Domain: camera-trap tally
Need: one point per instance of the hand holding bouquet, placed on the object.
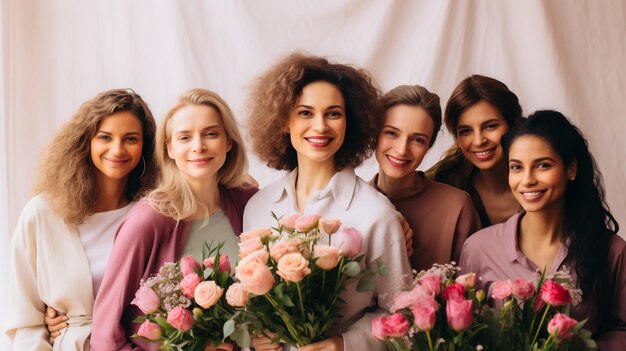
(184, 304)
(289, 282)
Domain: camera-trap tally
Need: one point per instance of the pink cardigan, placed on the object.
(144, 242)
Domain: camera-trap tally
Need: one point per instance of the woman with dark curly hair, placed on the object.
(479, 111)
(318, 120)
(565, 222)
(97, 166)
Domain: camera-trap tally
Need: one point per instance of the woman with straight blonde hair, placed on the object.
(98, 165)
(200, 197)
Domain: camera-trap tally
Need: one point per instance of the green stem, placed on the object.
(543, 318)
(285, 319)
(301, 301)
(430, 342)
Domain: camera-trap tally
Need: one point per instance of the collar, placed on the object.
(341, 187)
(420, 182)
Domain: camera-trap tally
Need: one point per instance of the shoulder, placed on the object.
(37, 206)
(143, 217)
(241, 195)
(365, 195)
(494, 237)
(449, 194)
(268, 193)
(617, 248)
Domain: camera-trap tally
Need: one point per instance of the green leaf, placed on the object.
(366, 283)
(286, 300)
(351, 269)
(229, 328)
(242, 337)
(382, 267)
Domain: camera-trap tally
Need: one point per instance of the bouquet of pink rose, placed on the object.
(183, 304)
(533, 315)
(290, 283)
(438, 312)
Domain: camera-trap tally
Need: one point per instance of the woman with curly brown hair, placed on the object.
(97, 166)
(318, 120)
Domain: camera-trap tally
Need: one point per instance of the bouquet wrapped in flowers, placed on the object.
(290, 283)
(438, 312)
(184, 304)
(533, 315)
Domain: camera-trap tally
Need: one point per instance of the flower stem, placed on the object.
(430, 342)
(285, 319)
(543, 318)
(301, 300)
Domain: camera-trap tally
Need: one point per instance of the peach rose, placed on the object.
(327, 256)
(284, 247)
(256, 233)
(249, 245)
(329, 226)
(468, 280)
(254, 276)
(236, 295)
(289, 223)
(207, 294)
(260, 256)
(306, 223)
(293, 267)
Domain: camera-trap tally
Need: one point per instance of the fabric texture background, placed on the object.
(560, 54)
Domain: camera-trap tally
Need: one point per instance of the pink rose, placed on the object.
(501, 290)
(539, 305)
(454, 291)
(523, 289)
(378, 327)
(561, 326)
(327, 256)
(424, 312)
(254, 276)
(189, 283)
(188, 264)
(180, 318)
(282, 248)
(224, 265)
(149, 330)
(146, 299)
(306, 223)
(249, 245)
(349, 241)
(407, 298)
(468, 280)
(432, 283)
(293, 267)
(256, 233)
(207, 294)
(236, 295)
(329, 226)
(459, 314)
(289, 223)
(555, 294)
(396, 325)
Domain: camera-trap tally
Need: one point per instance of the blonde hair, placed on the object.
(173, 196)
(67, 175)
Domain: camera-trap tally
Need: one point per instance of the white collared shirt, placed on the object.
(353, 201)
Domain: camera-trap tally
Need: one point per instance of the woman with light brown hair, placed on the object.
(97, 166)
(318, 120)
(200, 197)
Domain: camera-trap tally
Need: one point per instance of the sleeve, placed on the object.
(615, 337)
(467, 224)
(387, 244)
(133, 246)
(25, 309)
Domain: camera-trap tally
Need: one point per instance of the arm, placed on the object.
(467, 224)
(614, 338)
(132, 248)
(25, 308)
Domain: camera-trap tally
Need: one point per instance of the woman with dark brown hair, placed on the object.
(97, 166)
(318, 120)
(479, 111)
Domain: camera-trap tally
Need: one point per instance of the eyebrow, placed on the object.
(535, 160)
(413, 134)
(311, 107)
(483, 123)
(109, 133)
(214, 126)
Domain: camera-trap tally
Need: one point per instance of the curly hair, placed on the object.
(588, 221)
(477, 88)
(68, 177)
(415, 95)
(276, 92)
(173, 196)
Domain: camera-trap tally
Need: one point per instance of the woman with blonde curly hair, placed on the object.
(318, 120)
(96, 167)
(200, 197)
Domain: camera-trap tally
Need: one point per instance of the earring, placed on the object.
(572, 178)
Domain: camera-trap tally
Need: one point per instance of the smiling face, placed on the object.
(537, 175)
(116, 147)
(317, 123)
(404, 140)
(478, 135)
(197, 142)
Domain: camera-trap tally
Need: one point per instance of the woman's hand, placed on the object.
(408, 235)
(331, 344)
(263, 343)
(220, 347)
(55, 322)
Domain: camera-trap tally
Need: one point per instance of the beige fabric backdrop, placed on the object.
(565, 55)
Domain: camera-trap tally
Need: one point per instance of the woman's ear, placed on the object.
(572, 169)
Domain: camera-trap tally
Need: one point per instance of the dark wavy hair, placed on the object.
(477, 88)
(588, 221)
(67, 175)
(277, 91)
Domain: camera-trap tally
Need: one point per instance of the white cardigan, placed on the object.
(48, 266)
